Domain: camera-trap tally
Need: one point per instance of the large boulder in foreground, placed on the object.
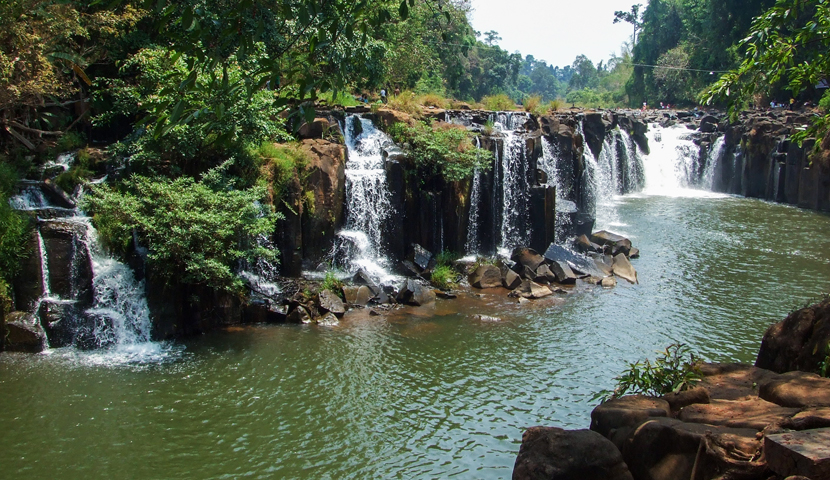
(413, 293)
(798, 342)
(555, 454)
(486, 276)
(23, 333)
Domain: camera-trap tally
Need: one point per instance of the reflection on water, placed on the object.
(434, 394)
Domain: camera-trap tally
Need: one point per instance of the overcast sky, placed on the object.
(555, 30)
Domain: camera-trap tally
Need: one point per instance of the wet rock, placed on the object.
(420, 256)
(362, 278)
(328, 320)
(608, 282)
(28, 284)
(413, 293)
(623, 269)
(299, 314)
(617, 243)
(634, 253)
(56, 195)
(562, 272)
(557, 454)
(605, 263)
(527, 257)
(584, 245)
(796, 389)
(69, 264)
(61, 320)
(445, 295)
(578, 263)
(360, 296)
(528, 273)
(408, 269)
(805, 453)
(486, 276)
(486, 318)
(544, 274)
(511, 280)
(23, 333)
(798, 342)
(330, 302)
(530, 289)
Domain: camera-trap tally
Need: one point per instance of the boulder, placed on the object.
(562, 272)
(408, 269)
(362, 278)
(360, 296)
(555, 454)
(608, 282)
(751, 412)
(420, 256)
(413, 293)
(528, 273)
(618, 243)
(530, 289)
(544, 274)
(315, 129)
(578, 263)
(668, 449)
(796, 389)
(328, 320)
(616, 418)
(486, 276)
(527, 257)
(298, 315)
(805, 453)
(798, 342)
(709, 124)
(23, 333)
(330, 302)
(69, 264)
(584, 245)
(678, 400)
(623, 268)
(605, 263)
(511, 280)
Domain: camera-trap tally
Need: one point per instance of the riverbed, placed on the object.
(422, 394)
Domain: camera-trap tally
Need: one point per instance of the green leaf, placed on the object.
(403, 10)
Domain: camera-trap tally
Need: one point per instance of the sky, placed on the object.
(555, 30)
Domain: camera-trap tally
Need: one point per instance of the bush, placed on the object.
(13, 227)
(405, 102)
(444, 277)
(332, 284)
(194, 231)
(675, 369)
(279, 164)
(433, 100)
(441, 149)
(533, 104)
(555, 105)
(498, 103)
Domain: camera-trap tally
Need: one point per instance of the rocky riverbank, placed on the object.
(767, 421)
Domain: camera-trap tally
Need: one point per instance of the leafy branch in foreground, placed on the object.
(194, 231)
(788, 43)
(675, 369)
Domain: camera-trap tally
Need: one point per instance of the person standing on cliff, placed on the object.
(383, 95)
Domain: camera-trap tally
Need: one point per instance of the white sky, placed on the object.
(555, 30)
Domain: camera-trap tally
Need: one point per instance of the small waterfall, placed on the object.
(30, 198)
(360, 243)
(713, 159)
(673, 160)
(515, 183)
(472, 245)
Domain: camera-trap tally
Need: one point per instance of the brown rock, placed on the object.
(527, 257)
(608, 282)
(298, 315)
(555, 454)
(615, 418)
(809, 418)
(562, 272)
(486, 276)
(798, 342)
(732, 381)
(687, 397)
(623, 268)
(796, 389)
(805, 453)
(23, 333)
(330, 302)
(753, 412)
(511, 279)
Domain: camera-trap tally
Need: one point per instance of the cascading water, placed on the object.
(713, 159)
(360, 243)
(515, 187)
(672, 165)
(472, 245)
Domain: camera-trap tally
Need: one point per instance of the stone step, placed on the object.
(804, 453)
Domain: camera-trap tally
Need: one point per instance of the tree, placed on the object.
(632, 17)
(788, 43)
(492, 37)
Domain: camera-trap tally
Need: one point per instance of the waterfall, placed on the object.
(713, 158)
(367, 198)
(472, 245)
(514, 183)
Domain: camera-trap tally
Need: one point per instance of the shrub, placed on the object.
(555, 105)
(441, 148)
(446, 258)
(433, 100)
(406, 102)
(279, 164)
(194, 231)
(675, 369)
(444, 277)
(332, 284)
(533, 104)
(500, 102)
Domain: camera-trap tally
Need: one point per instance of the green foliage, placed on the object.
(279, 165)
(498, 102)
(14, 228)
(446, 258)
(824, 365)
(85, 167)
(441, 148)
(195, 231)
(444, 277)
(332, 284)
(675, 369)
(533, 104)
(556, 104)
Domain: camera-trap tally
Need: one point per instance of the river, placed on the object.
(425, 394)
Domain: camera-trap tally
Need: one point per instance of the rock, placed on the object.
(486, 318)
(686, 397)
(298, 315)
(69, 265)
(809, 418)
(584, 245)
(616, 418)
(796, 389)
(527, 257)
(328, 320)
(708, 124)
(578, 263)
(412, 293)
(56, 195)
(562, 272)
(511, 280)
(751, 412)
(618, 243)
(486, 276)
(798, 342)
(362, 278)
(420, 256)
(608, 282)
(315, 129)
(623, 268)
(544, 274)
(528, 273)
(555, 454)
(634, 253)
(668, 449)
(805, 453)
(408, 269)
(530, 289)
(23, 333)
(330, 302)
(445, 295)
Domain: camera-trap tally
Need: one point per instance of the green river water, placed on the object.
(423, 393)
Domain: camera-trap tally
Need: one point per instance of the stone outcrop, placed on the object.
(555, 454)
(799, 342)
(23, 333)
